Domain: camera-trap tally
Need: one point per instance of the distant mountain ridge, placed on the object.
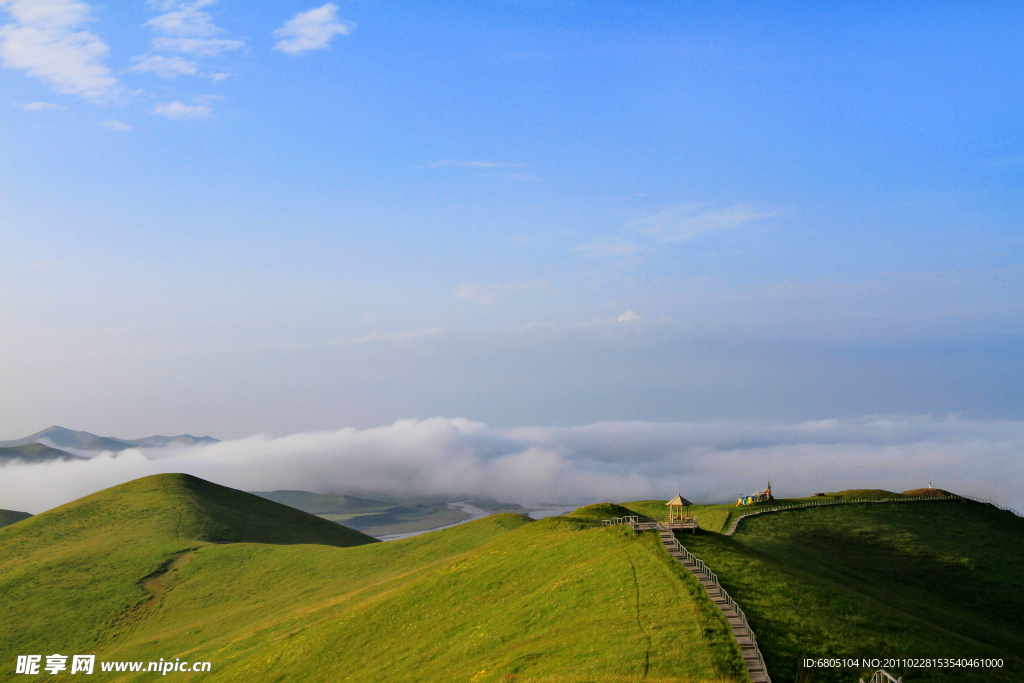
(61, 437)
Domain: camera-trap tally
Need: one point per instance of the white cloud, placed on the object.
(706, 462)
(114, 124)
(39, 106)
(47, 39)
(164, 67)
(311, 30)
(690, 221)
(184, 27)
(200, 47)
(182, 112)
(184, 19)
(629, 317)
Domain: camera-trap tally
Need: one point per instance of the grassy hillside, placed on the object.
(152, 569)
(712, 517)
(90, 557)
(927, 579)
(8, 517)
(718, 517)
(172, 566)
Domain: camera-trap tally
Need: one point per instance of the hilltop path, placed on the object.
(737, 620)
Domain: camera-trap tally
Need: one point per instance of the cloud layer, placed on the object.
(181, 112)
(311, 30)
(707, 462)
(186, 27)
(48, 40)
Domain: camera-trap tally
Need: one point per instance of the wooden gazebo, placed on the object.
(675, 509)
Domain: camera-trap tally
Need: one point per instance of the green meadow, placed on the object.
(931, 579)
(171, 566)
(174, 567)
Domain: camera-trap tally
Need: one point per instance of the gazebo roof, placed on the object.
(679, 500)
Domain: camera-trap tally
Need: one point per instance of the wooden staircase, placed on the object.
(733, 614)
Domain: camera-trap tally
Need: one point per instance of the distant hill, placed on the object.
(8, 517)
(68, 438)
(35, 452)
(58, 436)
(323, 503)
(928, 492)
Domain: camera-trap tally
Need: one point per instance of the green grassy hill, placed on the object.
(718, 517)
(918, 579)
(712, 517)
(88, 560)
(171, 566)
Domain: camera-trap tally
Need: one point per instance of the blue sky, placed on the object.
(219, 218)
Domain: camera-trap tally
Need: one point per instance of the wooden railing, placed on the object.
(986, 501)
(641, 523)
(883, 676)
(632, 520)
(745, 627)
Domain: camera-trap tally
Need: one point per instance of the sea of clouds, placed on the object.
(605, 461)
